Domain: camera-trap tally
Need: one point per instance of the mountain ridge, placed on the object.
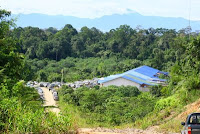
(104, 23)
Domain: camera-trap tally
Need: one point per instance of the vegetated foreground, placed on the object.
(109, 106)
(49, 101)
(193, 107)
(20, 106)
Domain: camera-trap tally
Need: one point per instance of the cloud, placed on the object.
(98, 8)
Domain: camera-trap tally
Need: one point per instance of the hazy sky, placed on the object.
(98, 8)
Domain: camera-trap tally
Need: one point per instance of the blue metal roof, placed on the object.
(138, 80)
(146, 70)
(132, 79)
(140, 75)
(137, 74)
(112, 77)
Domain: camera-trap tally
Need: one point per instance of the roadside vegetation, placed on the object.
(35, 54)
(109, 106)
(21, 109)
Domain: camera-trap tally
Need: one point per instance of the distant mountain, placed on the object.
(104, 23)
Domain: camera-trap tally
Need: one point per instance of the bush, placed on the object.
(156, 90)
(171, 101)
(109, 105)
(22, 112)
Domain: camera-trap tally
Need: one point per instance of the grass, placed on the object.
(79, 121)
(75, 114)
(164, 115)
(167, 118)
(173, 125)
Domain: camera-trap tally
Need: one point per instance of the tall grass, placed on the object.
(166, 109)
(23, 113)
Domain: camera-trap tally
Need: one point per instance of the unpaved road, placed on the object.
(151, 130)
(49, 101)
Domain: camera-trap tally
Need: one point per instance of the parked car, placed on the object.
(50, 89)
(57, 84)
(51, 86)
(35, 83)
(46, 84)
(55, 96)
(41, 84)
(42, 97)
(192, 124)
(40, 91)
(53, 90)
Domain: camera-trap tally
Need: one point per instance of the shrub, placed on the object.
(109, 105)
(156, 90)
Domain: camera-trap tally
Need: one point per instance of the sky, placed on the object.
(98, 8)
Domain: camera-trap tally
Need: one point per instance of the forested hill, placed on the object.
(158, 46)
(112, 52)
(104, 23)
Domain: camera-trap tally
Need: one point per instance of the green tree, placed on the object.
(11, 62)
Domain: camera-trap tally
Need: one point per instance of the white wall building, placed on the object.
(141, 77)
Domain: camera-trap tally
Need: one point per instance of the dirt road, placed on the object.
(151, 130)
(49, 101)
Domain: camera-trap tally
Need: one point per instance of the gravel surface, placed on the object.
(49, 101)
(99, 130)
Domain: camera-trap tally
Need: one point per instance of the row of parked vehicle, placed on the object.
(87, 83)
(40, 92)
(32, 84)
(51, 87)
(53, 84)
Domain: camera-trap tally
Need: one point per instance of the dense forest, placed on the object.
(89, 53)
(124, 42)
(31, 53)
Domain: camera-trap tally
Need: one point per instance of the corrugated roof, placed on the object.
(112, 77)
(146, 70)
(140, 75)
(137, 74)
(138, 80)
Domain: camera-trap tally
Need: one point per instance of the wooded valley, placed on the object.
(31, 53)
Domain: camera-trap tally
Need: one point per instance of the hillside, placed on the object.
(104, 23)
(34, 54)
(190, 108)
